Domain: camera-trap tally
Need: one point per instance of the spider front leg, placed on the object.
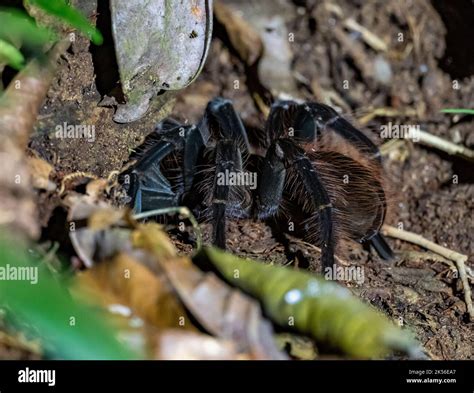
(284, 156)
(229, 197)
(319, 198)
(228, 161)
(149, 188)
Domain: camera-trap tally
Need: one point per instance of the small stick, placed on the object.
(386, 112)
(265, 109)
(316, 248)
(392, 144)
(426, 256)
(460, 259)
(427, 139)
(370, 38)
(184, 211)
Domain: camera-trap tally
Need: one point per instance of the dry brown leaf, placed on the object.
(105, 218)
(124, 281)
(225, 312)
(103, 237)
(145, 274)
(96, 188)
(151, 237)
(40, 171)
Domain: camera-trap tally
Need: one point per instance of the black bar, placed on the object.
(319, 376)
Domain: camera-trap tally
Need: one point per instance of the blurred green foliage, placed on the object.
(18, 30)
(21, 36)
(316, 307)
(45, 311)
(71, 16)
(11, 56)
(461, 111)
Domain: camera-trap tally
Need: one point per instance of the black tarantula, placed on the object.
(319, 173)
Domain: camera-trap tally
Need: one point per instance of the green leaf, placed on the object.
(19, 30)
(71, 16)
(324, 310)
(71, 329)
(463, 111)
(11, 56)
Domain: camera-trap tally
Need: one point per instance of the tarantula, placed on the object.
(318, 172)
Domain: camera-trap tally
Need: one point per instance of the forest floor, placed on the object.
(432, 193)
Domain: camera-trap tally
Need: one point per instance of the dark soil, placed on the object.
(433, 193)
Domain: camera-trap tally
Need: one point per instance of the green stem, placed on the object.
(463, 111)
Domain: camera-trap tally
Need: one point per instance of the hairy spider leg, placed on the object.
(320, 200)
(280, 114)
(284, 153)
(271, 183)
(272, 170)
(149, 188)
(324, 116)
(222, 124)
(381, 246)
(228, 160)
(193, 146)
(191, 137)
(221, 121)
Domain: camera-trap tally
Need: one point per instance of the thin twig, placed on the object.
(182, 210)
(392, 144)
(386, 112)
(316, 248)
(370, 38)
(460, 259)
(424, 255)
(265, 109)
(427, 139)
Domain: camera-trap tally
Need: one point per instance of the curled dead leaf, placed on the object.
(225, 312)
(40, 172)
(96, 188)
(124, 281)
(106, 218)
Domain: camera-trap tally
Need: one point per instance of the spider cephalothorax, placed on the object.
(319, 172)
